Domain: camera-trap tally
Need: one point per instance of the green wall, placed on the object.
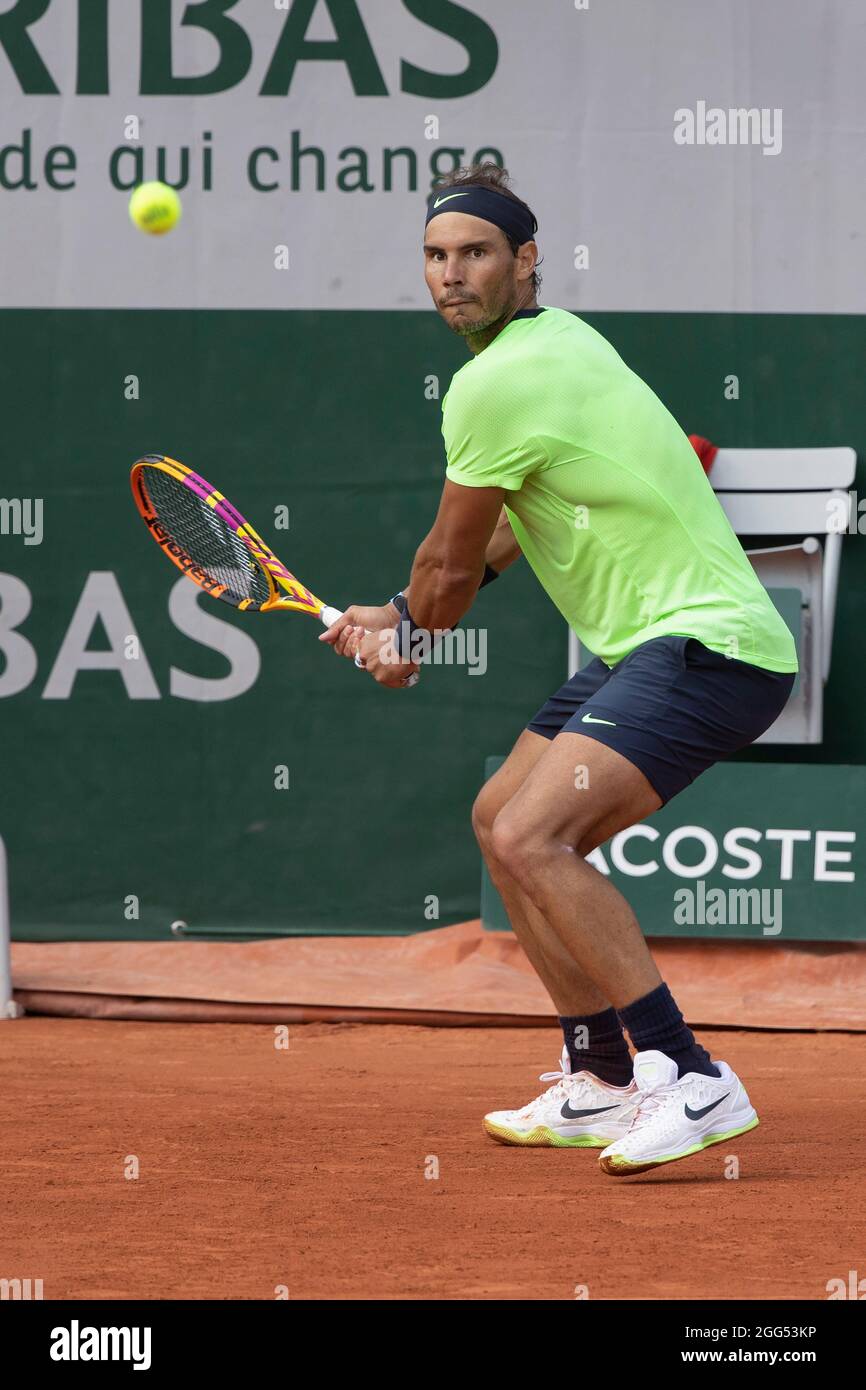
(174, 801)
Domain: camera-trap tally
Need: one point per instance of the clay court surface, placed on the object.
(305, 1167)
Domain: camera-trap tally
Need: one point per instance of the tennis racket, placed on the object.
(214, 546)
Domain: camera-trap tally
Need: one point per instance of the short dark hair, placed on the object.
(489, 175)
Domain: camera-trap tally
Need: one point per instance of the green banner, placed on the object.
(768, 852)
(229, 772)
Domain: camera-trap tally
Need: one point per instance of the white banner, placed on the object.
(679, 154)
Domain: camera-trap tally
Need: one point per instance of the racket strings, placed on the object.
(208, 539)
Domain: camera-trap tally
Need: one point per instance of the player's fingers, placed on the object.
(332, 634)
(348, 641)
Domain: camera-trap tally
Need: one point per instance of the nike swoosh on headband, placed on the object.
(439, 201)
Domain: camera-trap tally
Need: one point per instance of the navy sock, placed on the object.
(655, 1024)
(597, 1043)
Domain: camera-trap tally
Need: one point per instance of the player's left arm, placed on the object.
(449, 563)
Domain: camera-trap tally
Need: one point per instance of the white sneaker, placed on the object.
(675, 1118)
(578, 1112)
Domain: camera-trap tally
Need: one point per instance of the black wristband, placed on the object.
(411, 638)
(404, 634)
(489, 575)
(399, 602)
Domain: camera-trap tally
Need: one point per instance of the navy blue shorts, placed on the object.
(672, 707)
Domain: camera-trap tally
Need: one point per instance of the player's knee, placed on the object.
(517, 849)
(484, 812)
(590, 839)
(525, 852)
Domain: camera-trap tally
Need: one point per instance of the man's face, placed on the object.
(471, 271)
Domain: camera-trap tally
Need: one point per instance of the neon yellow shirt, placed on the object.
(605, 495)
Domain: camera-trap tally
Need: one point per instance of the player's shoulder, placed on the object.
(468, 386)
(501, 371)
(570, 330)
(478, 395)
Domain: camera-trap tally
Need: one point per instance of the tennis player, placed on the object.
(556, 449)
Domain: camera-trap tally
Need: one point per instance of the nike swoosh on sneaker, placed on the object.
(591, 719)
(439, 201)
(697, 1114)
(568, 1114)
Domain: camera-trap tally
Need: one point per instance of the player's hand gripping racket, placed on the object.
(208, 539)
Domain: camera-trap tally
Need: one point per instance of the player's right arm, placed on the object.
(345, 634)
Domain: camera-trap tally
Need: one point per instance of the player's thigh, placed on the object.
(534, 742)
(578, 790)
(500, 788)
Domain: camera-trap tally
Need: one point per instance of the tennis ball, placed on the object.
(154, 207)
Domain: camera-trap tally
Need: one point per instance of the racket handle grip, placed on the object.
(330, 615)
